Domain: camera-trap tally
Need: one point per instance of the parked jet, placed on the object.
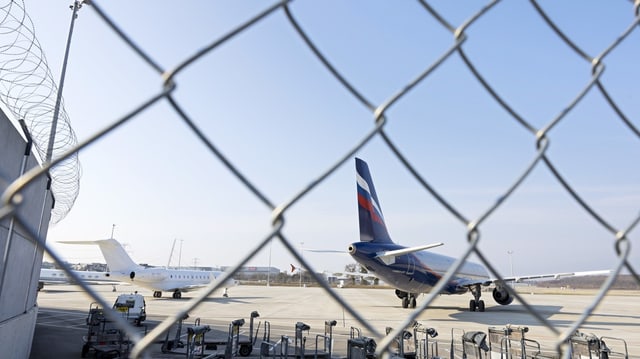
(414, 270)
(58, 276)
(123, 268)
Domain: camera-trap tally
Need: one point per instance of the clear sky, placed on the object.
(282, 119)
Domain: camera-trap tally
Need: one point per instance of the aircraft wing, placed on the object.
(519, 279)
(468, 282)
(354, 274)
(192, 287)
(100, 282)
(188, 288)
(54, 281)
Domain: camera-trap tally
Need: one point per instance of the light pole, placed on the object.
(269, 269)
(56, 110)
(301, 255)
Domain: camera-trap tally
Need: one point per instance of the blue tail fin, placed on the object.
(372, 227)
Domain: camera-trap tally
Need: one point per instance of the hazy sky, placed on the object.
(282, 119)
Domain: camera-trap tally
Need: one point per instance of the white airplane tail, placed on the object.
(114, 254)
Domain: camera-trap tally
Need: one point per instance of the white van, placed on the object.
(132, 306)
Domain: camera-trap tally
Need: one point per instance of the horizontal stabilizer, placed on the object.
(325, 250)
(389, 256)
(94, 242)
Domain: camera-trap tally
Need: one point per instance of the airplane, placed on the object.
(123, 268)
(415, 270)
(58, 276)
(350, 277)
(341, 278)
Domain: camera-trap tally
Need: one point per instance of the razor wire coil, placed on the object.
(28, 92)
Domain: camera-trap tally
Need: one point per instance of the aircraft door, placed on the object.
(411, 264)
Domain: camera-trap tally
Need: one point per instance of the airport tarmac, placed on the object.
(63, 310)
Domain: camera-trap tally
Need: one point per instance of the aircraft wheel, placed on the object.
(413, 302)
(85, 350)
(405, 302)
(472, 305)
(245, 350)
(481, 305)
(177, 295)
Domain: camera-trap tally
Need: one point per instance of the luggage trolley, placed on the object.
(510, 342)
(403, 344)
(424, 348)
(359, 347)
(277, 349)
(195, 341)
(474, 344)
(103, 336)
(455, 346)
(589, 346)
(617, 348)
(245, 346)
(169, 345)
(326, 339)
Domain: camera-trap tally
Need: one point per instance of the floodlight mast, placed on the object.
(56, 111)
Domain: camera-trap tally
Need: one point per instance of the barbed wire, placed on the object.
(28, 91)
(540, 137)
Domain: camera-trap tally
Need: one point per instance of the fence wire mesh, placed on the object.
(387, 108)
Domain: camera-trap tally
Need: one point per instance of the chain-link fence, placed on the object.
(454, 45)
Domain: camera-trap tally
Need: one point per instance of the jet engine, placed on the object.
(501, 296)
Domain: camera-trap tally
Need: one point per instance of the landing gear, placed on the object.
(177, 294)
(157, 294)
(476, 303)
(225, 293)
(409, 300)
(481, 305)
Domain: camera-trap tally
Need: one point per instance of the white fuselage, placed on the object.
(162, 279)
(60, 276)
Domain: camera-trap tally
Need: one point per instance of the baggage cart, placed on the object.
(103, 337)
